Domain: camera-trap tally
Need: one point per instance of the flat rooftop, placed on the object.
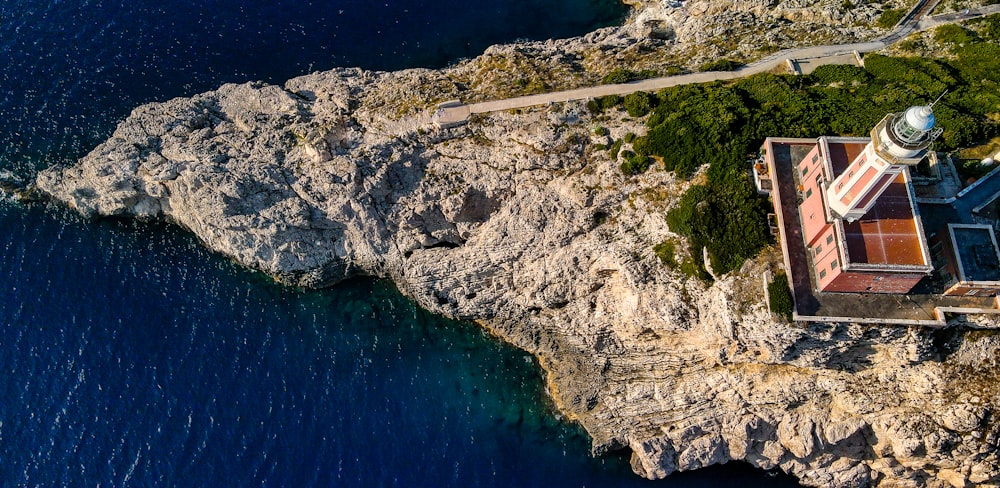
(843, 151)
(976, 250)
(888, 234)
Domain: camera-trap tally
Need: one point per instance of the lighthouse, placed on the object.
(849, 217)
(897, 141)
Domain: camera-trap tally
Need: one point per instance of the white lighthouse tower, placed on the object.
(898, 140)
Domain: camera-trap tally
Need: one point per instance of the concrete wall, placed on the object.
(963, 289)
(867, 282)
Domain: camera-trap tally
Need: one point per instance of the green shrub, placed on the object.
(647, 74)
(629, 138)
(989, 26)
(978, 61)
(618, 75)
(667, 252)
(622, 75)
(972, 169)
(638, 104)
(695, 125)
(954, 34)
(721, 65)
(910, 76)
(594, 107)
(635, 163)
(779, 296)
(839, 73)
(890, 17)
(610, 101)
(615, 148)
(725, 216)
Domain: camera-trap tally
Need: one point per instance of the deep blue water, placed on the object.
(130, 356)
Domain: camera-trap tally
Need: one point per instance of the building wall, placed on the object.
(810, 164)
(962, 289)
(826, 260)
(868, 282)
(943, 257)
(811, 211)
(946, 266)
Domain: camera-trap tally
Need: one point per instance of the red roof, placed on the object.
(888, 234)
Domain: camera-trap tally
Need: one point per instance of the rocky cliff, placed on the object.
(520, 222)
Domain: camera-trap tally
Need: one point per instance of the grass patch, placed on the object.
(890, 17)
(667, 252)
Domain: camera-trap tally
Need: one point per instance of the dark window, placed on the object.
(833, 265)
(809, 192)
(822, 274)
(829, 239)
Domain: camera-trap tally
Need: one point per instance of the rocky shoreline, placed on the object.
(520, 222)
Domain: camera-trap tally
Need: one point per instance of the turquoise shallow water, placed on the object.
(133, 357)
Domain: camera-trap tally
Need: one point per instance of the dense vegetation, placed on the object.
(779, 296)
(720, 124)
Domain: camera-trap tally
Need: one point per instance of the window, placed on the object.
(809, 192)
(805, 169)
(829, 239)
(819, 249)
(834, 264)
(815, 158)
(822, 273)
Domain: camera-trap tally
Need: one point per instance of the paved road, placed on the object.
(915, 20)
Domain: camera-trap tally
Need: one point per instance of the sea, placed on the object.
(131, 356)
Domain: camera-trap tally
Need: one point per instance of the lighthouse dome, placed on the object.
(915, 126)
(920, 117)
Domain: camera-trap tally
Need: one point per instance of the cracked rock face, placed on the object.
(519, 222)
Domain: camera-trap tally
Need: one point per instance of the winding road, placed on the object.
(454, 113)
